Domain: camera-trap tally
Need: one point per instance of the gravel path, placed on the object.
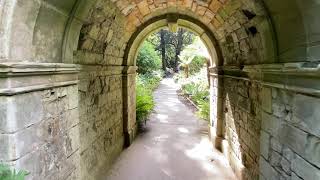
(175, 146)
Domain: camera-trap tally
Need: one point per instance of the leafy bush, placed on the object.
(150, 80)
(146, 83)
(197, 88)
(204, 109)
(197, 64)
(145, 103)
(148, 59)
(7, 173)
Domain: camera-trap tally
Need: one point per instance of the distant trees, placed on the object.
(148, 59)
(194, 57)
(170, 45)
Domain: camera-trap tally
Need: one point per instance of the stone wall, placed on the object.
(242, 126)
(268, 128)
(290, 136)
(100, 52)
(70, 127)
(39, 127)
(101, 119)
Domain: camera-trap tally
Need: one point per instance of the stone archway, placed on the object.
(136, 40)
(64, 82)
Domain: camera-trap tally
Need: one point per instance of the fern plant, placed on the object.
(8, 173)
(204, 110)
(144, 102)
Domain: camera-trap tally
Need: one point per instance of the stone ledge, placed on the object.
(14, 69)
(297, 77)
(106, 69)
(302, 68)
(17, 78)
(19, 90)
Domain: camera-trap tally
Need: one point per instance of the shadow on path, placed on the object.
(174, 147)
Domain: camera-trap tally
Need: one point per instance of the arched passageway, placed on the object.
(67, 82)
(173, 145)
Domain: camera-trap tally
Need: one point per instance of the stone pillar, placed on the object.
(129, 104)
(216, 107)
(39, 119)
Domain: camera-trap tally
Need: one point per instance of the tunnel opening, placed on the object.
(180, 55)
(67, 85)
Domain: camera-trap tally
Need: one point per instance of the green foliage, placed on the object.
(196, 92)
(146, 83)
(145, 103)
(197, 64)
(174, 43)
(7, 173)
(197, 88)
(148, 59)
(204, 109)
(194, 57)
(189, 89)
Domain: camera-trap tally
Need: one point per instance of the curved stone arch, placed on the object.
(290, 45)
(182, 21)
(132, 50)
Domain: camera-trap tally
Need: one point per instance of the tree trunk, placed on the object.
(179, 48)
(163, 50)
(187, 71)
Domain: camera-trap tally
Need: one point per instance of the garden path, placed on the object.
(175, 145)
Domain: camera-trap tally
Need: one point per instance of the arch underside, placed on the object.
(67, 82)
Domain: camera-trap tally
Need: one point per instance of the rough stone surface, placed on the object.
(51, 141)
(265, 95)
(243, 125)
(101, 121)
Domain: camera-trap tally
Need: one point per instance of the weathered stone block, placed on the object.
(288, 154)
(270, 124)
(279, 109)
(275, 159)
(312, 150)
(293, 138)
(73, 99)
(266, 99)
(286, 165)
(71, 118)
(267, 171)
(7, 148)
(304, 169)
(276, 145)
(306, 113)
(295, 177)
(72, 141)
(144, 8)
(20, 111)
(264, 144)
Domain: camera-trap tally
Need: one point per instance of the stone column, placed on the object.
(216, 107)
(39, 119)
(129, 104)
